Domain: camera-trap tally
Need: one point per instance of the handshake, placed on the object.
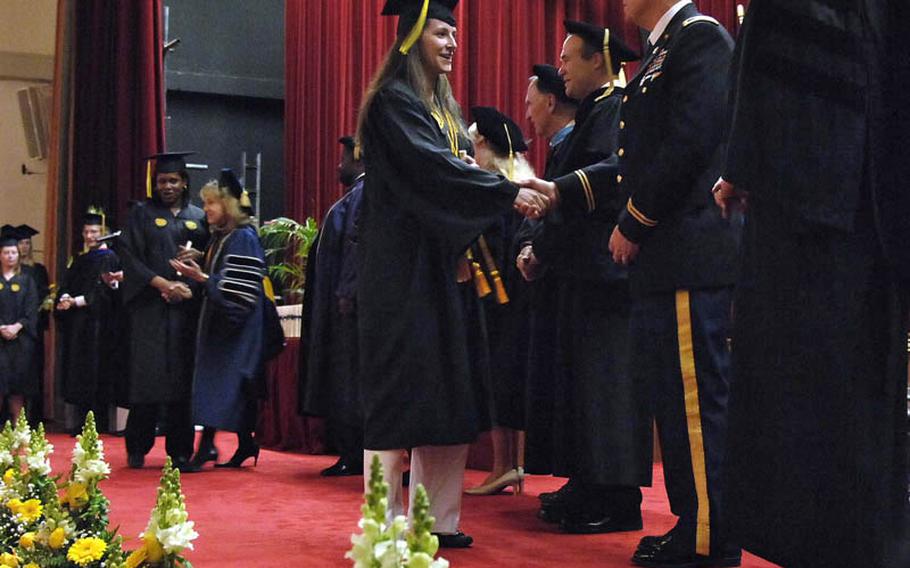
(536, 197)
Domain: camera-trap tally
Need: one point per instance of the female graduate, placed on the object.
(499, 147)
(423, 206)
(18, 328)
(162, 311)
(229, 352)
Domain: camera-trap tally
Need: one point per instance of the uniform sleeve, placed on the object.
(697, 78)
(136, 274)
(236, 289)
(452, 200)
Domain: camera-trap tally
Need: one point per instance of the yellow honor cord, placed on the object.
(148, 179)
(511, 153)
(415, 32)
(607, 61)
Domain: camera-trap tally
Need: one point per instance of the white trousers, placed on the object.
(441, 471)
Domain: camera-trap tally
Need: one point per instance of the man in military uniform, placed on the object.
(816, 465)
(681, 255)
(600, 428)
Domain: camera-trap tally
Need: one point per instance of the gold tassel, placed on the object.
(501, 296)
(148, 179)
(480, 279)
(245, 200)
(268, 289)
(415, 32)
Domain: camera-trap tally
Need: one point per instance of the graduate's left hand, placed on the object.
(624, 251)
(531, 204)
(543, 187)
(188, 268)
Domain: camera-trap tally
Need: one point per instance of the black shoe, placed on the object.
(135, 461)
(561, 494)
(197, 461)
(457, 540)
(184, 465)
(669, 552)
(242, 454)
(341, 469)
(599, 524)
(553, 513)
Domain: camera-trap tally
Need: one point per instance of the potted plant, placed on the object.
(287, 244)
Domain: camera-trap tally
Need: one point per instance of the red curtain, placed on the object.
(333, 49)
(118, 102)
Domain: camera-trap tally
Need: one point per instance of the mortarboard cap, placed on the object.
(351, 144)
(228, 180)
(615, 51)
(26, 232)
(8, 236)
(164, 163)
(7, 230)
(499, 130)
(549, 81)
(94, 216)
(413, 16)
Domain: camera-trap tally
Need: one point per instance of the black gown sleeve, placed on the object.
(132, 246)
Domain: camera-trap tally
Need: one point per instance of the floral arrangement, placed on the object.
(395, 545)
(49, 522)
(169, 531)
(287, 245)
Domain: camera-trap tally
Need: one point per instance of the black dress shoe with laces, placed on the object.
(669, 552)
(457, 540)
(585, 523)
(135, 461)
(342, 469)
(561, 494)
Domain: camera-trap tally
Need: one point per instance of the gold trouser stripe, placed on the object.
(639, 216)
(693, 422)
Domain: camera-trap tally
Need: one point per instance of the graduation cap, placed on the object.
(7, 229)
(549, 81)
(413, 16)
(164, 163)
(26, 232)
(8, 236)
(351, 144)
(499, 130)
(615, 51)
(228, 180)
(94, 216)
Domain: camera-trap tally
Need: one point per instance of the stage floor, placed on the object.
(283, 514)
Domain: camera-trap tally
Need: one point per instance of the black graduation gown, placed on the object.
(89, 333)
(161, 335)
(600, 427)
(817, 422)
(328, 373)
(18, 303)
(422, 208)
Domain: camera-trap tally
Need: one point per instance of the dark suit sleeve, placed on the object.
(697, 75)
(136, 274)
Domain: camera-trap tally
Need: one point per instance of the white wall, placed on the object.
(27, 36)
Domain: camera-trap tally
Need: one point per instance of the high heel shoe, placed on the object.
(195, 463)
(513, 477)
(241, 455)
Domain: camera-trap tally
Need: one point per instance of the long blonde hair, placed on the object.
(515, 169)
(237, 216)
(410, 69)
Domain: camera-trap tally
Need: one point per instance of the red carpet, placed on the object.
(282, 514)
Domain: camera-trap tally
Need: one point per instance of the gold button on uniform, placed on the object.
(621, 152)
(622, 124)
(619, 179)
(644, 90)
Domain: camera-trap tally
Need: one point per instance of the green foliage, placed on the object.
(287, 244)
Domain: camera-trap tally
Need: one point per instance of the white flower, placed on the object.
(39, 464)
(21, 438)
(78, 455)
(92, 470)
(176, 538)
(390, 553)
(6, 459)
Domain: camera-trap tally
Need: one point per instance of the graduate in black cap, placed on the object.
(38, 273)
(87, 314)
(18, 327)
(228, 377)
(162, 309)
(499, 147)
(417, 301)
(600, 426)
(329, 383)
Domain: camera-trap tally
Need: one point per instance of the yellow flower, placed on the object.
(76, 495)
(137, 557)
(153, 548)
(27, 540)
(9, 476)
(13, 505)
(10, 560)
(30, 510)
(86, 550)
(57, 538)
(31, 565)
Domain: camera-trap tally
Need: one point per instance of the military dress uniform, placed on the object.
(681, 282)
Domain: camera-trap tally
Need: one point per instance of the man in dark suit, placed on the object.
(681, 255)
(816, 465)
